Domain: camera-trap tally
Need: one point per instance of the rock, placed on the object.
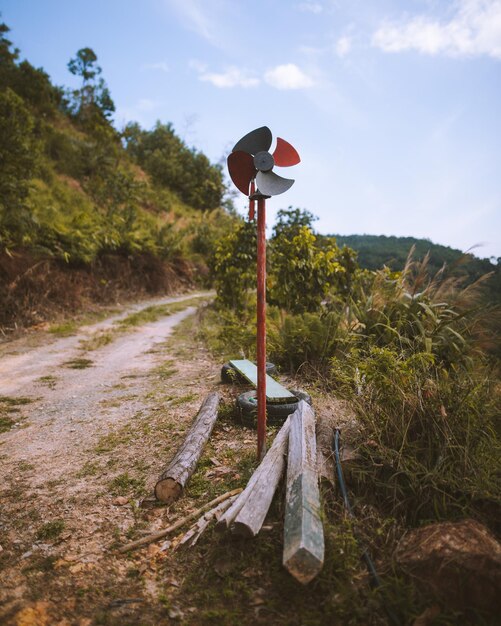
(459, 561)
(120, 501)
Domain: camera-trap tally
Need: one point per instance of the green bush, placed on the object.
(233, 266)
(19, 156)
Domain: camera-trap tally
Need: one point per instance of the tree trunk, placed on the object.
(173, 480)
(303, 531)
(247, 513)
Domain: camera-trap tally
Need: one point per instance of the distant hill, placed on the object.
(375, 251)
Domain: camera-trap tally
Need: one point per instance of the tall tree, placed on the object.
(93, 98)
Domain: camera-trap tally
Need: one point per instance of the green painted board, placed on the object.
(275, 392)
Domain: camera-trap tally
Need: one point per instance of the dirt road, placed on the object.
(81, 415)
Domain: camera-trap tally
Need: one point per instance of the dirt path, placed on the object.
(69, 411)
(76, 445)
(77, 468)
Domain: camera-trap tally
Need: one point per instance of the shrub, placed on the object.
(234, 266)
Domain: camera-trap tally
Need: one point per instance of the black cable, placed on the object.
(375, 581)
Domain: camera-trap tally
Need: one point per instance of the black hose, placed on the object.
(375, 581)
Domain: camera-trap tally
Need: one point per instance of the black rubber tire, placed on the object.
(276, 413)
(231, 376)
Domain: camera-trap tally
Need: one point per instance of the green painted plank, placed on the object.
(275, 392)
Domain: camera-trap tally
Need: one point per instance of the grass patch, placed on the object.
(14, 402)
(189, 397)
(90, 468)
(109, 442)
(9, 405)
(64, 329)
(123, 485)
(48, 380)
(78, 364)
(5, 424)
(164, 371)
(24, 466)
(50, 530)
(98, 340)
(153, 313)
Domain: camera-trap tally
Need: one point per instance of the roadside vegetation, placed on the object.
(416, 354)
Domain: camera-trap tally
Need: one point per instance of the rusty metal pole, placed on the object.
(261, 328)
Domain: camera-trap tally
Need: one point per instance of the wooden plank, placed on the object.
(173, 479)
(249, 510)
(304, 548)
(275, 392)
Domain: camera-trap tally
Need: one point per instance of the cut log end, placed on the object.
(168, 490)
(304, 565)
(173, 479)
(243, 530)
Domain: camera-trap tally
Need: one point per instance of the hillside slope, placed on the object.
(89, 213)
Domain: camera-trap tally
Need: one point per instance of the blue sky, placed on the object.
(394, 107)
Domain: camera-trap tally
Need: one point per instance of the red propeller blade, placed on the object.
(242, 170)
(285, 155)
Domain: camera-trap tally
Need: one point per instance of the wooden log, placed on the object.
(178, 524)
(303, 553)
(249, 510)
(173, 479)
(194, 533)
(325, 455)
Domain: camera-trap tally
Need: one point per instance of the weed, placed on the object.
(153, 313)
(15, 402)
(9, 405)
(167, 370)
(5, 424)
(48, 380)
(24, 466)
(90, 468)
(98, 340)
(50, 530)
(124, 484)
(189, 397)
(78, 364)
(64, 329)
(109, 442)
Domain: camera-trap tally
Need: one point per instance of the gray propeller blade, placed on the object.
(270, 184)
(255, 141)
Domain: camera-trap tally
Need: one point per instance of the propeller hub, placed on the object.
(264, 161)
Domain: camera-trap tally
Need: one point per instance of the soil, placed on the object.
(91, 432)
(77, 431)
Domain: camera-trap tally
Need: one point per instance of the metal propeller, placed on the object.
(251, 160)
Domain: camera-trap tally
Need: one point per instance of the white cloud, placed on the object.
(288, 76)
(473, 30)
(203, 18)
(196, 18)
(232, 77)
(343, 46)
(311, 7)
(161, 66)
